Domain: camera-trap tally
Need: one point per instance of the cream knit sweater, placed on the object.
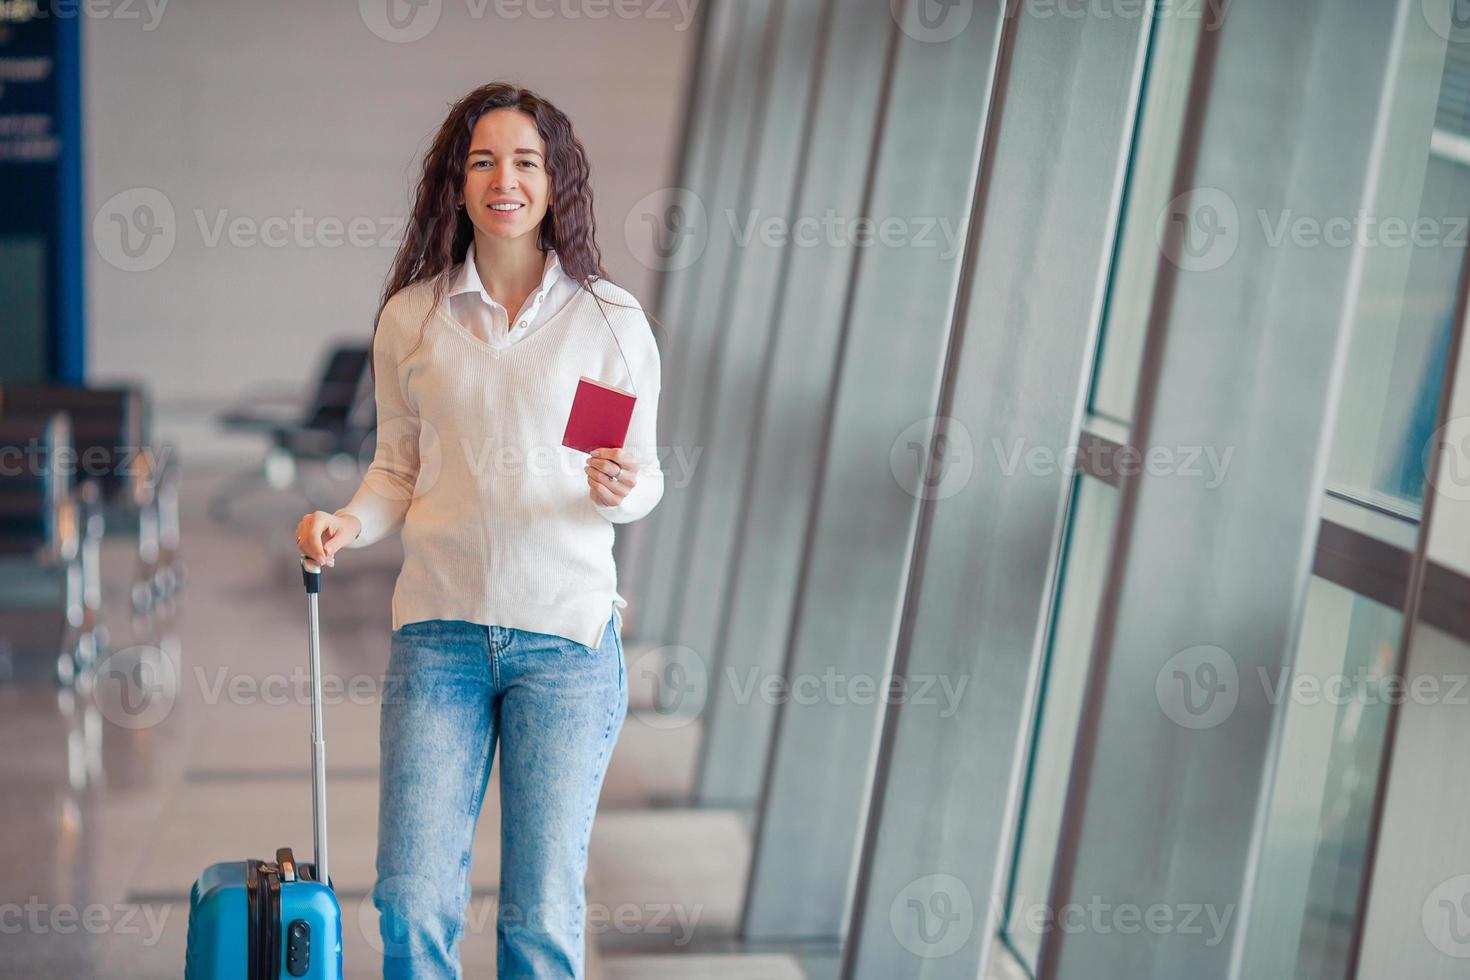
(498, 523)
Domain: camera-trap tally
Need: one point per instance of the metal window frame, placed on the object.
(1184, 828)
(792, 414)
(859, 548)
(746, 38)
(1352, 558)
(745, 324)
(980, 597)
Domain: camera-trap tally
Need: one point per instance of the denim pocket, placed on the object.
(421, 627)
(442, 637)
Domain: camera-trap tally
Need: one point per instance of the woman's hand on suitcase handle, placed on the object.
(320, 535)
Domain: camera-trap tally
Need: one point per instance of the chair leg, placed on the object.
(171, 571)
(148, 553)
(86, 651)
(88, 633)
(91, 564)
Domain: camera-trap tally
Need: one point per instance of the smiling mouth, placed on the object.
(506, 208)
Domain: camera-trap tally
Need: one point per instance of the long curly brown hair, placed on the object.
(439, 233)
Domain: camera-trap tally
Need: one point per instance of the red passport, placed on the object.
(599, 418)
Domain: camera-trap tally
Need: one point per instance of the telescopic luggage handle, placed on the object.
(311, 575)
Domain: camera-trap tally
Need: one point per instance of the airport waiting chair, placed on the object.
(50, 529)
(332, 426)
(137, 481)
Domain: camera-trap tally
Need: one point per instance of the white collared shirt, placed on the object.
(473, 308)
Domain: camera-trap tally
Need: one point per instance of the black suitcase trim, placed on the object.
(263, 898)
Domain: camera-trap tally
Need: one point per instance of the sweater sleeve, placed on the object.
(381, 501)
(642, 439)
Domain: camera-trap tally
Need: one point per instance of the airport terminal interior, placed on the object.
(1062, 570)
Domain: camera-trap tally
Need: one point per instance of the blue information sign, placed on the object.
(41, 225)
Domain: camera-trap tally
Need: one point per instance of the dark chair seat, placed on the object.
(127, 485)
(108, 427)
(31, 489)
(45, 560)
(336, 421)
(323, 424)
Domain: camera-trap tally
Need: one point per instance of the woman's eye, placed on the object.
(529, 163)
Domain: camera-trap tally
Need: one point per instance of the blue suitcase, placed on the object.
(269, 920)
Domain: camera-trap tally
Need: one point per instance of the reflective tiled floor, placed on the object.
(193, 748)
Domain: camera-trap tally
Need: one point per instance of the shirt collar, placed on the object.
(468, 280)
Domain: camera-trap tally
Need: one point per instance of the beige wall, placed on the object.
(301, 112)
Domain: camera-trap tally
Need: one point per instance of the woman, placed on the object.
(506, 621)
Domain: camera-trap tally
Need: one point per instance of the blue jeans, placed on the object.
(453, 688)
